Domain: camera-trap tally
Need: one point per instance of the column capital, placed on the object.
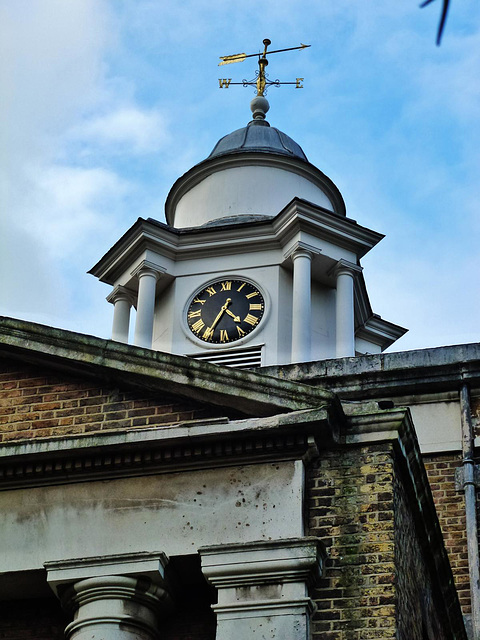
(121, 293)
(146, 267)
(252, 563)
(344, 267)
(147, 564)
(116, 597)
(302, 249)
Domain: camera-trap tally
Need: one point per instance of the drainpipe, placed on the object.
(468, 485)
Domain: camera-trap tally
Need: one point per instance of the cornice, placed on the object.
(198, 242)
(339, 230)
(136, 452)
(423, 371)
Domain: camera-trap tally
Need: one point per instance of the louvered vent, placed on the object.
(238, 358)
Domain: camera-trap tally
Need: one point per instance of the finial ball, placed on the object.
(259, 106)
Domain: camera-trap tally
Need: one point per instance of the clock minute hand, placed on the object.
(220, 314)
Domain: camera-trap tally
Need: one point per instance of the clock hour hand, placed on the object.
(236, 318)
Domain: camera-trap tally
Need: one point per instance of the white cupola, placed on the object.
(258, 263)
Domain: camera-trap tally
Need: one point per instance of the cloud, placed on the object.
(73, 206)
(128, 129)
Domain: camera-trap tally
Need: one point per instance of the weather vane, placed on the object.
(261, 81)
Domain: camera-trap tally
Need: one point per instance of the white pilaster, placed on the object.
(302, 305)
(147, 274)
(108, 606)
(122, 299)
(263, 587)
(344, 308)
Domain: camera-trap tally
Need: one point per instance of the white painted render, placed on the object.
(244, 190)
(178, 512)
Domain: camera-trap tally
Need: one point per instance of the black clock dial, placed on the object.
(225, 311)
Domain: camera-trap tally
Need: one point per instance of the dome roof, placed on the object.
(259, 136)
(251, 174)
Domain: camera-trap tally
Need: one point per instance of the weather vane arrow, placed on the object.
(240, 57)
(261, 81)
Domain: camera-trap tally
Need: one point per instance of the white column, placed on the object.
(302, 305)
(147, 282)
(263, 587)
(120, 597)
(114, 608)
(345, 316)
(122, 299)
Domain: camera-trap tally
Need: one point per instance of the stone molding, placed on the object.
(150, 565)
(302, 248)
(198, 242)
(121, 293)
(148, 267)
(163, 449)
(116, 597)
(242, 564)
(345, 267)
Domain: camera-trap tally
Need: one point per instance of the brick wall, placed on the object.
(450, 505)
(377, 584)
(351, 510)
(419, 617)
(41, 403)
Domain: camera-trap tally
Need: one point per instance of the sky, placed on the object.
(105, 103)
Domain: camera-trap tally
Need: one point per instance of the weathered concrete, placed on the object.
(179, 512)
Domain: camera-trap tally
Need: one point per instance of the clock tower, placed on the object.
(257, 264)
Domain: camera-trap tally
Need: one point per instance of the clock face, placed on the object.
(225, 311)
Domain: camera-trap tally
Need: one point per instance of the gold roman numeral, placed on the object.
(211, 291)
(198, 326)
(249, 319)
(256, 307)
(226, 286)
(241, 332)
(241, 286)
(199, 300)
(196, 314)
(252, 295)
(208, 333)
(223, 335)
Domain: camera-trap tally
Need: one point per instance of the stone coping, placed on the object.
(248, 392)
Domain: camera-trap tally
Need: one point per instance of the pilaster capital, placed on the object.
(344, 267)
(121, 293)
(253, 563)
(146, 267)
(302, 249)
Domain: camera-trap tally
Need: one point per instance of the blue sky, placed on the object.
(105, 103)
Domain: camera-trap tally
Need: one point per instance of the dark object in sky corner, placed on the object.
(443, 17)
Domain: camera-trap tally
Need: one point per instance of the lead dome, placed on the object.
(253, 171)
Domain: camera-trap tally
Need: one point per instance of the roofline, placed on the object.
(81, 354)
(387, 375)
(152, 234)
